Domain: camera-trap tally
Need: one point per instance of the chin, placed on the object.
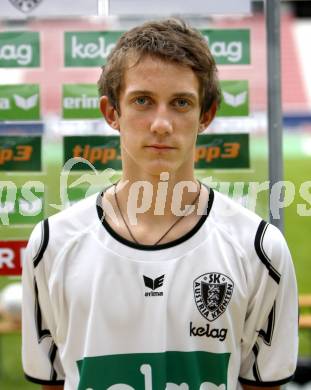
(157, 168)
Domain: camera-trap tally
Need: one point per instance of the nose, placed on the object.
(161, 122)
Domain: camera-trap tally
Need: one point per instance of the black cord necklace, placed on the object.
(174, 224)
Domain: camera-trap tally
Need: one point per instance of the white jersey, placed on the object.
(210, 310)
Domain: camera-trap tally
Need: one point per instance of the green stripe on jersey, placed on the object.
(171, 370)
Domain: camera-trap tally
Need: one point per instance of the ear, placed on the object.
(109, 112)
(207, 117)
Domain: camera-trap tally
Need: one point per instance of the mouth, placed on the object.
(160, 147)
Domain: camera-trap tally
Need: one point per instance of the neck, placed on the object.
(158, 198)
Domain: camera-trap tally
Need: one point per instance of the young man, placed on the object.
(192, 291)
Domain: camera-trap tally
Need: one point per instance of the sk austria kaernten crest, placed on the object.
(212, 294)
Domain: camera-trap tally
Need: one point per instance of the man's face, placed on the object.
(159, 118)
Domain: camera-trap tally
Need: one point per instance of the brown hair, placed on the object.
(170, 40)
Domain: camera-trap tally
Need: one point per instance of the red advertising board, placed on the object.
(11, 257)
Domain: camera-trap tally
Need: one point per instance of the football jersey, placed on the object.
(212, 309)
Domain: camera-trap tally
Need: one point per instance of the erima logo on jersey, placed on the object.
(212, 294)
(153, 284)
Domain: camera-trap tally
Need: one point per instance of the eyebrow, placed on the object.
(139, 92)
(189, 95)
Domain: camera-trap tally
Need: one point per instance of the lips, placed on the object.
(160, 146)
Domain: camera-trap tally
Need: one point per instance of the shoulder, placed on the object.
(254, 236)
(51, 234)
(234, 219)
(74, 218)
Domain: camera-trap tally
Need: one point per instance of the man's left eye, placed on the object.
(182, 103)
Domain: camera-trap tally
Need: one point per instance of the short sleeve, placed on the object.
(40, 355)
(270, 338)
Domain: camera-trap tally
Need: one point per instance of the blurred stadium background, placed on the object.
(296, 101)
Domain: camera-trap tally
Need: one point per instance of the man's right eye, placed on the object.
(142, 100)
